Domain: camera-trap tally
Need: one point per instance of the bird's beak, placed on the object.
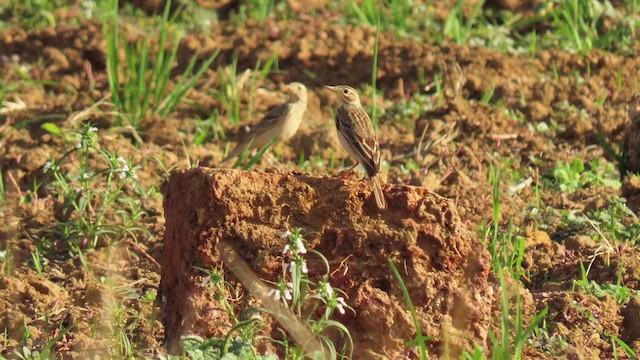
(332, 88)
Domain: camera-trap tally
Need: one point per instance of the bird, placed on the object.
(357, 136)
(631, 145)
(282, 122)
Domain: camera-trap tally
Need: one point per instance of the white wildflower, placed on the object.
(93, 129)
(304, 267)
(286, 249)
(340, 305)
(286, 234)
(47, 166)
(274, 293)
(79, 144)
(300, 246)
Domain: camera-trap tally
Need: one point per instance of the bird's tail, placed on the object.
(239, 149)
(377, 191)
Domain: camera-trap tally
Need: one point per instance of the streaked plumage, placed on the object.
(357, 136)
(631, 145)
(281, 122)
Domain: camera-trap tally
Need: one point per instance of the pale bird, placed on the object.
(357, 136)
(281, 123)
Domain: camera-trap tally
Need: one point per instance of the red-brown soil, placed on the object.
(445, 267)
(464, 137)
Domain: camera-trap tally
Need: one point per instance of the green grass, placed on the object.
(140, 82)
(420, 340)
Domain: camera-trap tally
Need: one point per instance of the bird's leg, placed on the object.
(346, 173)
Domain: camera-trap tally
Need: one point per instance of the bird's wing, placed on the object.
(271, 119)
(355, 125)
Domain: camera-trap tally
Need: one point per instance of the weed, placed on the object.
(139, 82)
(259, 10)
(420, 340)
(31, 14)
(553, 345)
(457, 27)
(507, 253)
(569, 177)
(211, 125)
(392, 13)
(90, 196)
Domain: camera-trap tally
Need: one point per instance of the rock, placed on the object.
(444, 265)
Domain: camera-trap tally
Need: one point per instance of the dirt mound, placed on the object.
(445, 267)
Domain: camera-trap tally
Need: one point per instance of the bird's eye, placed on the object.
(345, 91)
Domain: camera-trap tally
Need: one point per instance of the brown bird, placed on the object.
(631, 145)
(281, 122)
(357, 136)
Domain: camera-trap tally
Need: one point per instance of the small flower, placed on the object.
(340, 304)
(79, 144)
(286, 234)
(286, 249)
(205, 281)
(274, 293)
(292, 266)
(303, 267)
(300, 246)
(93, 129)
(47, 166)
(287, 294)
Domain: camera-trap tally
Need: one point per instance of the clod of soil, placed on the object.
(631, 147)
(444, 265)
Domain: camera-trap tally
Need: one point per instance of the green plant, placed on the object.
(553, 345)
(205, 127)
(458, 27)
(420, 340)
(579, 25)
(296, 290)
(92, 189)
(259, 10)
(139, 83)
(30, 14)
(230, 87)
(615, 342)
(385, 14)
(46, 351)
(507, 253)
(569, 177)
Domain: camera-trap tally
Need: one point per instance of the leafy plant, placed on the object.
(92, 196)
(574, 176)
